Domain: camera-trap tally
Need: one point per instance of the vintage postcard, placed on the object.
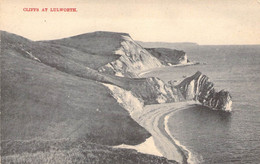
(130, 82)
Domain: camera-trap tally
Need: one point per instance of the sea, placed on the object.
(217, 136)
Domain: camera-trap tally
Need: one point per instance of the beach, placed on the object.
(154, 118)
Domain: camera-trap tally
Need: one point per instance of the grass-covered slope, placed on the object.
(45, 97)
(127, 58)
(45, 50)
(96, 43)
(72, 151)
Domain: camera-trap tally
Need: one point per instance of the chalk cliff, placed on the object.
(169, 56)
(55, 89)
(198, 87)
(117, 53)
(154, 91)
(133, 59)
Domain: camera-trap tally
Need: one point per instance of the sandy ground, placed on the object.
(147, 147)
(154, 118)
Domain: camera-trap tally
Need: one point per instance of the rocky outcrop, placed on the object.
(169, 56)
(198, 87)
(134, 59)
(154, 91)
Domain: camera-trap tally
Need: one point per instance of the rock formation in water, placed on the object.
(198, 87)
(169, 56)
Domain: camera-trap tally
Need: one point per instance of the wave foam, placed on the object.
(191, 159)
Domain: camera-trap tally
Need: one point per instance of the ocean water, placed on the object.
(217, 136)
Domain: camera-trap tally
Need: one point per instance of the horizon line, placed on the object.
(137, 40)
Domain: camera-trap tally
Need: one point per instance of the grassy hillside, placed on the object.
(45, 50)
(39, 101)
(55, 109)
(96, 43)
(72, 151)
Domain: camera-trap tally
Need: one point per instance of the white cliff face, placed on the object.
(184, 60)
(133, 60)
(190, 90)
(126, 99)
(164, 92)
(198, 87)
(153, 91)
(228, 106)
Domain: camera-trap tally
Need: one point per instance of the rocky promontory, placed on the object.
(198, 87)
(169, 56)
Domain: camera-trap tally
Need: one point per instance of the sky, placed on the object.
(201, 21)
